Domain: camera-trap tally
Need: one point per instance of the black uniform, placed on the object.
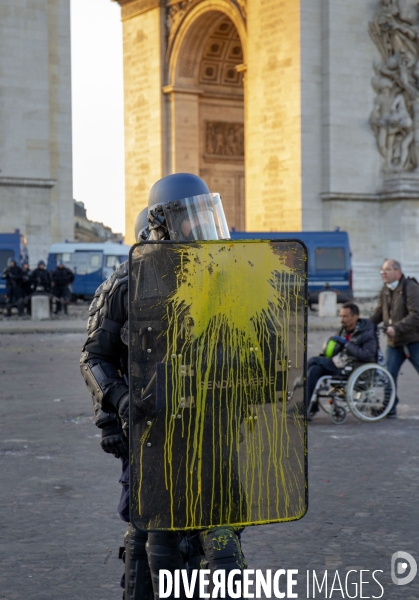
(41, 280)
(27, 289)
(62, 277)
(14, 280)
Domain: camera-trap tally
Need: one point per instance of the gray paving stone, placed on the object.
(59, 531)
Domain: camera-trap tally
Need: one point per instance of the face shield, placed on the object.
(196, 218)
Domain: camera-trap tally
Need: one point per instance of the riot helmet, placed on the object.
(141, 227)
(182, 208)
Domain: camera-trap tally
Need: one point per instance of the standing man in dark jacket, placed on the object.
(14, 280)
(359, 344)
(26, 286)
(398, 309)
(62, 277)
(41, 278)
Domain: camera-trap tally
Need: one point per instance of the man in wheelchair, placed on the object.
(355, 344)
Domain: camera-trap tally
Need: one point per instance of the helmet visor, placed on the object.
(196, 218)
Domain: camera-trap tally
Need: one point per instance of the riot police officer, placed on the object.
(104, 360)
(61, 279)
(14, 275)
(41, 278)
(26, 286)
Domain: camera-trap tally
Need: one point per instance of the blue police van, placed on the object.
(12, 245)
(91, 263)
(329, 259)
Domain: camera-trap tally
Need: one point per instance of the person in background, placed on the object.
(356, 343)
(13, 275)
(41, 278)
(62, 277)
(26, 287)
(398, 309)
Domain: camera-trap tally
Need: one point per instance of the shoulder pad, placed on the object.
(92, 322)
(103, 293)
(122, 270)
(119, 278)
(108, 287)
(99, 297)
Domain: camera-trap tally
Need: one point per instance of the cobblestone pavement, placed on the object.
(59, 531)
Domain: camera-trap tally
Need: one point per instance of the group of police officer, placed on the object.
(22, 284)
(180, 208)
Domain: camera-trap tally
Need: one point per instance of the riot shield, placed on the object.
(217, 338)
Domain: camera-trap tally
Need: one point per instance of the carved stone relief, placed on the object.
(224, 139)
(395, 116)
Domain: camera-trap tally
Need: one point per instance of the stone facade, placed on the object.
(278, 105)
(35, 122)
(91, 231)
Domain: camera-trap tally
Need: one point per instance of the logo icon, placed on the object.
(403, 568)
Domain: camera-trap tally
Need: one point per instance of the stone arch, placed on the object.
(205, 109)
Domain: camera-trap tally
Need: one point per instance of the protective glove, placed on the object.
(140, 409)
(123, 409)
(114, 441)
(341, 340)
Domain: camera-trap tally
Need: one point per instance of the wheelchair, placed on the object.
(367, 391)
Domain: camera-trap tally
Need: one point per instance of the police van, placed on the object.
(329, 259)
(12, 245)
(91, 263)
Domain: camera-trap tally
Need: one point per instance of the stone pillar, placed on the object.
(311, 114)
(273, 116)
(143, 80)
(35, 123)
(327, 304)
(60, 147)
(183, 143)
(40, 307)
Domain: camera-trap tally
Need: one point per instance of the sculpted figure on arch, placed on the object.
(395, 31)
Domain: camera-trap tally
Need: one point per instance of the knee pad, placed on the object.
(222, 549)
(137, 573)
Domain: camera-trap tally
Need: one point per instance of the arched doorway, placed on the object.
(206, 110)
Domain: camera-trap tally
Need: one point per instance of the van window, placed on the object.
(65, 257)
(4, 257)
(330, 259)
(95, 261)
(112, 262)
(85, 262)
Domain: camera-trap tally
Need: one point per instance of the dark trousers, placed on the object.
(395, 357)
(14, 298)
(220, 547)
(63, 295)
(317, 367)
